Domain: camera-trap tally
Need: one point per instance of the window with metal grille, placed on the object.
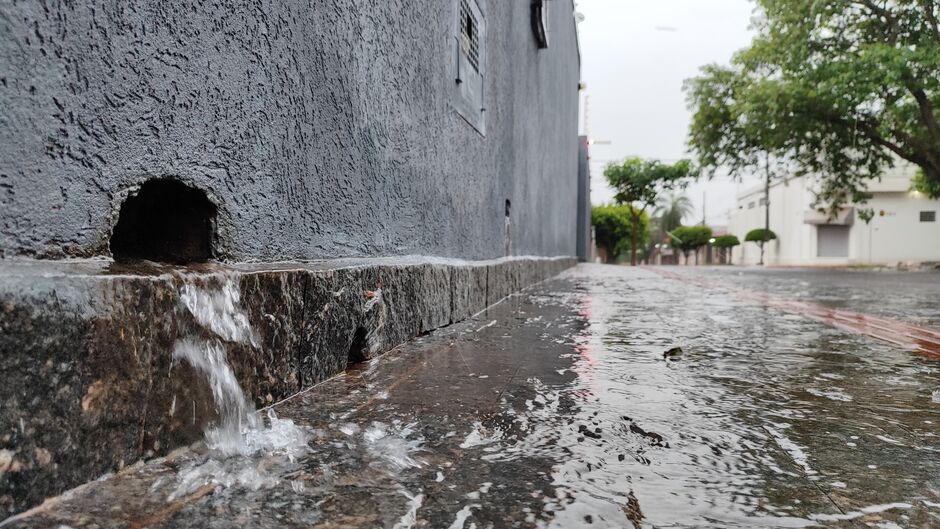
(928, 216)
(470, 34)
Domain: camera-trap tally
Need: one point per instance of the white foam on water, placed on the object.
(219, 472)
(410, 518)
(935, 397)
(350, 428)
(462, 516)
(277, 437)
(392, 447)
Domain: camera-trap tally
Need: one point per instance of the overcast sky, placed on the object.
(635, 55)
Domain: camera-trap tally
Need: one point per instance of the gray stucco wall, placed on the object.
(584, 242)
(319, 128)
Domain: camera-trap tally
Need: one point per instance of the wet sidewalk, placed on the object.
(558, 408)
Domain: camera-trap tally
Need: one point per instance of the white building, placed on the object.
(904, 230)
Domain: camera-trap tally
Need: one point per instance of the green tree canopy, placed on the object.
(837, 88)
(931, 188)
(690, 238)
(760, 235)
(639, 183)
(726, 241)
(613, 226)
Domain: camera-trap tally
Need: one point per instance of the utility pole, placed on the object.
(704, 223)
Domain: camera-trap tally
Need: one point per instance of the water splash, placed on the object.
(236, 415)
(239, 430)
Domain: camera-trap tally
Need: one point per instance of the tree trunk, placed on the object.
(633, 241)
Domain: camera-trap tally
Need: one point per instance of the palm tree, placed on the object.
(668, 215)
(672, 208)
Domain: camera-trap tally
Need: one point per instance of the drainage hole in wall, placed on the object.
(166, 221)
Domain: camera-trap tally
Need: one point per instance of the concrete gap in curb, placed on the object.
(357, 350)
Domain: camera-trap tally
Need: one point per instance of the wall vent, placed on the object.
(470, 63)
(470, 34)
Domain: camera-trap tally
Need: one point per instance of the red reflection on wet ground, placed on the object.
(587, 366)
(923, 340)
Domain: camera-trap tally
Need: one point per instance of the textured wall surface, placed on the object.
(585, 242)
(319, 128)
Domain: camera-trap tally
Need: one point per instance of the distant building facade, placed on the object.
(905, 228)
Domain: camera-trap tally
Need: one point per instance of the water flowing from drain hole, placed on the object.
(239, 429)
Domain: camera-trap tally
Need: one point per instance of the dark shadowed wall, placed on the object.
(318, 128)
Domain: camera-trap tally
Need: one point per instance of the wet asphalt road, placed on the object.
(910, 296)
(557, 408)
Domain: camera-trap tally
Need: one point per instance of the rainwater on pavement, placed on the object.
(559, 408)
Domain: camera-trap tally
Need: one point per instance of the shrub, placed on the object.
(689, 238)
(726, 241)
(760, 235)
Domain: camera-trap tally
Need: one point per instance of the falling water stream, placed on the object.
(239, 431)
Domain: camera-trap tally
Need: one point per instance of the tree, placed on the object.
(838, 88)
(671, 209)
(613, 225)
(760, 236)
(928, 187)
(727, 244)
(690, 238)
(639, 182)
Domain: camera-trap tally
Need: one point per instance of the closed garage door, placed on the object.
(832, 241)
